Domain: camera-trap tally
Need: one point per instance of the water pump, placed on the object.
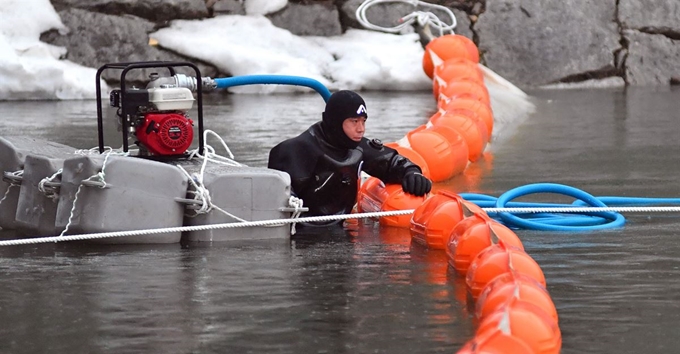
(156, 116)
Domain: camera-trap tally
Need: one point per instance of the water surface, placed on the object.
(616, 291)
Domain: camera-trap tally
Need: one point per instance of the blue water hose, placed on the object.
(274, 80)
(629, 201)
(587, 221)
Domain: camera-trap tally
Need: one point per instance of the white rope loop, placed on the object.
(15, 177)
(296, 203)
(200, 193)
(98, 177)
(211, 156)
(423, 18)
(50, 192)
(202, 196)
(92, 151)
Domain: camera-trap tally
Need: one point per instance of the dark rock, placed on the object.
(464, 25)
(318, 19)
(652, 59)
(657, 16)
(227, 7)
(536, 43)
(473, 7)
(96, 39)
(530, 43)
(152, 10)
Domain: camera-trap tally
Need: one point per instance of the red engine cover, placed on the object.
(166, 133)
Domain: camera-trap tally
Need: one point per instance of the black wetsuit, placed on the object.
(325, 176)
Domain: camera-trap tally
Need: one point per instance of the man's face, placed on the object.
(354, 128)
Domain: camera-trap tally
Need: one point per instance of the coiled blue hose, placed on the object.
(588, 221)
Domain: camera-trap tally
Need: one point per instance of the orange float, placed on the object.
(433, 220)
(371, 195)
(514, 286)
(413, 156)
(452, 120)
(481, 109)
(459, 147)
(483, 128)
(496, 260)
(446, 47)
(376, 196)
(464, 88)
(454, 70)
(527, 322)
(438, 114)
(399, 200)
(452, 243)
(474, 132)
(517, 313)
(436, 150)
(472, 236)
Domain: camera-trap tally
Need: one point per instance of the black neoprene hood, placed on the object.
(340, 106)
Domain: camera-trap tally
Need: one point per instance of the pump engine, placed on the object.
(157, 115)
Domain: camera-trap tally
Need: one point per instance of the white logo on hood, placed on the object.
(362, 109)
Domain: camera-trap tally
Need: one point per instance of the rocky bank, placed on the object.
(530, 42)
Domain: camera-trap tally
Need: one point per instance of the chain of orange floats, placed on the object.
(515, 312)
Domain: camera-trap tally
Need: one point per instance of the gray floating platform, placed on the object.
(139, 194)
(13, 154)
(250, 193)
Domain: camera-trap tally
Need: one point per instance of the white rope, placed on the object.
(12, 183)
(18, 174)
(202, 196)
(198, 228)
(99, 177)
(200, 193)
(297, 203)
(85, 152)
(7, 192)
(210, 155)
(95, 151)
(423, 18)
(48, 191)
(313, 219)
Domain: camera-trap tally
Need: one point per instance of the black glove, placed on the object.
(415, 183)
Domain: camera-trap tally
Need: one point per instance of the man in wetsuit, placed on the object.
(325, 161)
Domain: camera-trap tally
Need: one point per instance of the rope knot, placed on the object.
(48, 187)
